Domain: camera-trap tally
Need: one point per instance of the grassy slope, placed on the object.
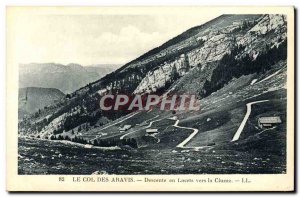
(225, 109)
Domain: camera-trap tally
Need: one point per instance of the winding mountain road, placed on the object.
(184, 142)
(195, 131)
(130, 116)
(243, 123)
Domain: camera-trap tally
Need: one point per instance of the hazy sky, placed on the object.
(95, 39)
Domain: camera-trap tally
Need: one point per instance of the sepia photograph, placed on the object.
(119, 94)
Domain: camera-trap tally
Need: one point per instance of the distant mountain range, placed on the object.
(66, 78)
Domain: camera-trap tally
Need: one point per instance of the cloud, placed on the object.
(93, 39)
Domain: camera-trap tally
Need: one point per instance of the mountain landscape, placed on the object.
(33, 100)
(235, 65)
(66, 78)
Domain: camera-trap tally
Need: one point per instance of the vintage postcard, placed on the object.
(150, 98)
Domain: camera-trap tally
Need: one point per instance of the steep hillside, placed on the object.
(200, 61)
(33, 100)
(65, 78)
(102, 69)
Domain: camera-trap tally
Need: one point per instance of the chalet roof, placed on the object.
(151, 130)
(268, 120)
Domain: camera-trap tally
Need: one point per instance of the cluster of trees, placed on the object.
(230, 67)
(102, 143)
(58, 131)
(73, 121)
(60, 137)
(86, 114)
(88, 98)
(80, 140)
(116, 142)
(129, 84)
(75, 139)
(247, 24)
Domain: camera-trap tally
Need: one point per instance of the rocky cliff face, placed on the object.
(199, 61)
(252, 35)
(167, 72)
(270, 30)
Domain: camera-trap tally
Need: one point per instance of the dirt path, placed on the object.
(270, 76)
(184, 142)
(243, 123)
(130, 116)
